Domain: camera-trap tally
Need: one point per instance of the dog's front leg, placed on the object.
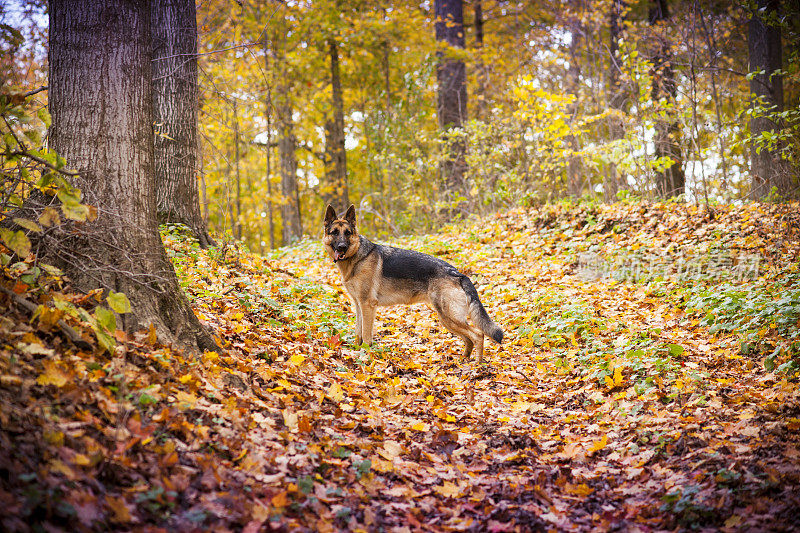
(368, 309)
(359, 320)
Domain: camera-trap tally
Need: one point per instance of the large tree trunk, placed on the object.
(292, 228)
(101, 103)
(174, 41)
(768, 170)
(337, 193)
(671, 181)
(452, 90)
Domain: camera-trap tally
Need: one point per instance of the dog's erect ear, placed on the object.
(330, 215)
(350, 216)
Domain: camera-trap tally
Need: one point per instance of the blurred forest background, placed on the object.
(422, 112)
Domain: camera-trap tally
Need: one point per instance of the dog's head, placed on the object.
(341, 237)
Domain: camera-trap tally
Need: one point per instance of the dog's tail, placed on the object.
(478, 313)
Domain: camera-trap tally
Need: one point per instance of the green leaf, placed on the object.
(44, 116)
(106, 318)
(51, 270)
(28, 224)
(16, 241)
(77, 212)
(675, 349)
(69, 196)
(104, 339)
(119, 302)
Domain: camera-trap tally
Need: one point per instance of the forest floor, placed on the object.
(647, 381)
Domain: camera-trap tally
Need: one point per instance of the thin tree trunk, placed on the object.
(101, 101)
(616, 96)
(337, 193)
(480, 108)
(237, 223)
(575, 171)
(174, 41)
(671, 181)
(769, 172)
(712, 49)
(292, 229)
(268, 113)
(452, 91)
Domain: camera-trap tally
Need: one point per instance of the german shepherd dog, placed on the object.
(376, 275)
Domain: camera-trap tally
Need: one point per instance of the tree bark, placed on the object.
(770, 174)
(616, 96)
(237, 222)
(452, 90)
(336, 193)
(101, 103)
(480, 108)
(174, 43)
(268, 107)
(671, 181)
(575, 170)
(292, 228)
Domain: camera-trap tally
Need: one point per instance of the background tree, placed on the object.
(670, 180)
(768, 170)
(568, 101)
(101, 103)
(451, 89)
(336, 190)
(174, 41)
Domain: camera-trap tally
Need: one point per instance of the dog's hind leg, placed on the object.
(453, 315)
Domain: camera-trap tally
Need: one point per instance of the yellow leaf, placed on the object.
(579, 490)
(185, 397)
(390, 450)
(297, 359)
(81, 460)
(121, 512)
(61, 468)
(733, 521)
(56, 438)
(381, 465)
(448, 489)
(609, 382)
(335, 392)
(420, 426)
(599, 444)
(290, 419)
(49, 217)
(280, 500)
(53, 375)
(618, 375)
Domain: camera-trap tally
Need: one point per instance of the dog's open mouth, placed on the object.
(337, 256)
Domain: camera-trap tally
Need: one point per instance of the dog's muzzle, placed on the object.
(339, 252)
